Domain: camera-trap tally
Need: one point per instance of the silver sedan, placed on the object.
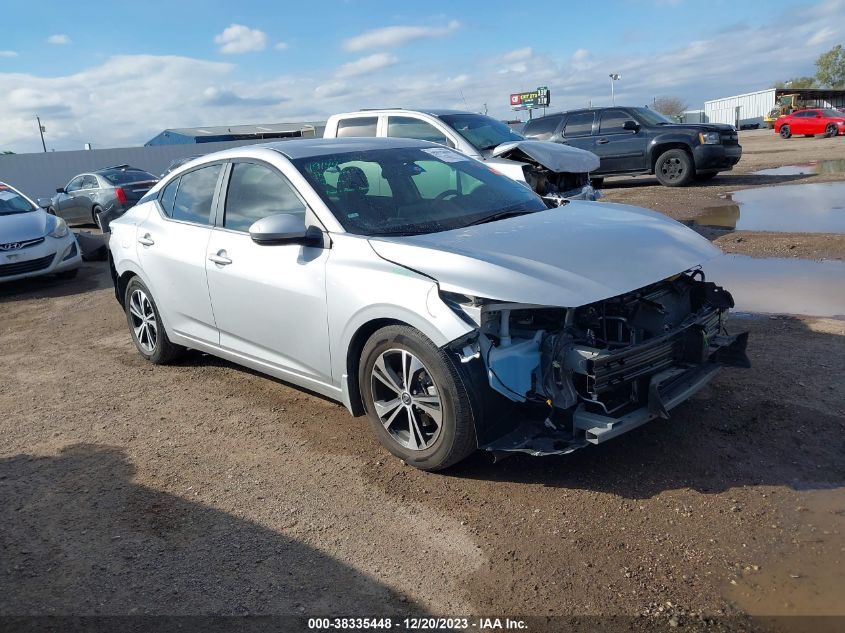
(454, 307)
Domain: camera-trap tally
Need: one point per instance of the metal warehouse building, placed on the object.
(216, 134)
(751, 107)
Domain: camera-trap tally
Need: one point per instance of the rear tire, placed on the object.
(95, 214)
(831, 130)
(416, 399)
(145, 325)
(674, 168)
(785, 132)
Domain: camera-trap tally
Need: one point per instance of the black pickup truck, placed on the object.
(632, 141)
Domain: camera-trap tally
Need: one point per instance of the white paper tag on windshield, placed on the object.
(446, 155)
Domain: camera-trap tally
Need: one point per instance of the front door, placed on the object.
(620, 150)
(172, 248)
(269, 300)
(69, 204)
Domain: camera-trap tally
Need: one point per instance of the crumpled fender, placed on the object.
(558, 158)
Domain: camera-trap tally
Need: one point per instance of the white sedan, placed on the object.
(33, 242)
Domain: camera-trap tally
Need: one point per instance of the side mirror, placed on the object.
(44, 202)
(631, 126)
(60, 190)
(285, 228)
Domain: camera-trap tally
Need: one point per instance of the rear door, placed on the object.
(172, 249)
(800, 122)
(620, 150)
(269, 301)
(578, 130)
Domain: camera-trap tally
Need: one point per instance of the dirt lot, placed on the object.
(203, 488)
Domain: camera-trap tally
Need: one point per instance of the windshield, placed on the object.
(11, 202)
(406, 191)
(125, 177)
(831, 113)
(650, 117)
(482, 132)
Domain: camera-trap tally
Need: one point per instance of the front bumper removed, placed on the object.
(667, 389)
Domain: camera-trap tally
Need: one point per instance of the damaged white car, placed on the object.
(551, 169)
(453, 306)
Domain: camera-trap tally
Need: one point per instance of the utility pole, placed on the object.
(41, 132)
(613, 78)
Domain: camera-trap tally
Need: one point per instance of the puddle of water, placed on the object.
(781, 286)
(809, 208)
(807, 576)
(812, 168)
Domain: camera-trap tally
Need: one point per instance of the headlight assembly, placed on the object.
(709, 138)
(59, 228)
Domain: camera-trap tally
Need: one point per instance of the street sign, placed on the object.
(540, 98)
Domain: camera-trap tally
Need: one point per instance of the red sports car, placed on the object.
(825, 121)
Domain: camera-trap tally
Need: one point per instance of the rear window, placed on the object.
(11, 202)
(579, 125)
(542, 128)
(125, 177)
(357, 126)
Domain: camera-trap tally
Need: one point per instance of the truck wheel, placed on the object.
(785, 132)
(416, 399)
(674, 168)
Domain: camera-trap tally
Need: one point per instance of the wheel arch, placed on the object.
(664, 146)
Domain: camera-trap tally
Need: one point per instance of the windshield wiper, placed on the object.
(500, 215)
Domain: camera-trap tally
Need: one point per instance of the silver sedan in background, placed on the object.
(451, 304)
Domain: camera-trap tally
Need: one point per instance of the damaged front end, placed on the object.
(579, 376)
(556, 172)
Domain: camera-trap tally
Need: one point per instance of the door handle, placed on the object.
(601, 141)
(220, 258)
(146, 240)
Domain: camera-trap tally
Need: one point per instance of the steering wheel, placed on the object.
(448, 193)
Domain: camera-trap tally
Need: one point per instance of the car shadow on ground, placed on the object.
(726, 179)
(738, 432)
(80, 537)
(91, 276)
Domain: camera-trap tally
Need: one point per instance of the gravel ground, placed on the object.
(204, 488)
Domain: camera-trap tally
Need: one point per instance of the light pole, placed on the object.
(41, 130)
(613, 77)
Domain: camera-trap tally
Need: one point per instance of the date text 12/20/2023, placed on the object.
(418, 624)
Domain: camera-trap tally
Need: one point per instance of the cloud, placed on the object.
(281, 46)
(8, 54)
(59, 39)
(820, 37)
(518, 55)
(392, 36)
(366, 65)
(237, 38)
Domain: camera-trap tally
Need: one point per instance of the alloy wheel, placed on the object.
(406, 399)
(144, 322)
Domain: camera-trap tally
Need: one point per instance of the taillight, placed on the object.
(121, 195)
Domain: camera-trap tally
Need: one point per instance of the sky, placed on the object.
(116, 74)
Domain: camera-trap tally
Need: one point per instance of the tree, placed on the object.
(797, 83)
(830, 67)
(670, 106)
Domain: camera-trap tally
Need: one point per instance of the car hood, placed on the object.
(23, 226)
(569, 256)
(696, 127)
(558, 158)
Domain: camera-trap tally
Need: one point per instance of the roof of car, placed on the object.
(431, 111)
(305, 148)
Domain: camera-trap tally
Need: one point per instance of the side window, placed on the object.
(195, 194)
(580, 124)
(256, 191)
(90, 182)
(74, 185)
(612, 121)
(357, 126)
(409, 127)
(168, 195)
(543, 128)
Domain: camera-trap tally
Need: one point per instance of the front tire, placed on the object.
(674, 168)
(831, 130)
(145, 325)
(95, 215)
(416, 399)
(785, 132)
